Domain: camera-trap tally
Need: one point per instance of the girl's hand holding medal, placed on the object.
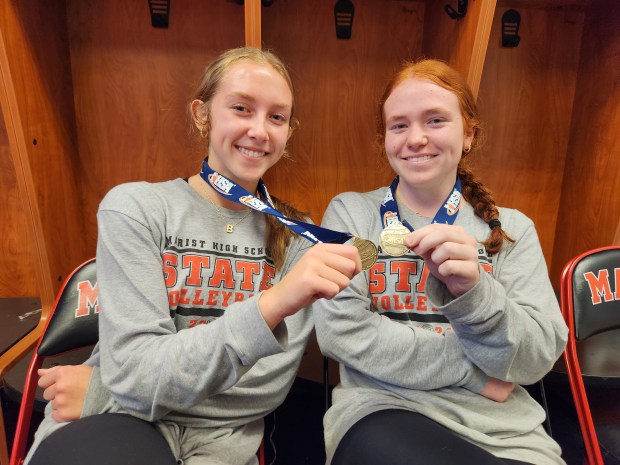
(450, 253)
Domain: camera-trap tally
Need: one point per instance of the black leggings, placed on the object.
(109, 438)
(401, 437)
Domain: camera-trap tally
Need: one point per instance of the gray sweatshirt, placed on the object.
(404, 342)
(182, 340)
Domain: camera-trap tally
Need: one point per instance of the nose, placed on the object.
(416, 138)
(258, 129)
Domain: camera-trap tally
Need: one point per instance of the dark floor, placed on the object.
(604, 398)
(294, 431)
(10, 410)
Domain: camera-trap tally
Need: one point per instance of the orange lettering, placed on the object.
(88, 298)
(170, 269)
(599, 286)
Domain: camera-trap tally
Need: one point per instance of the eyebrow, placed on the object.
(425, 113)
(431, 111)
(244, 96)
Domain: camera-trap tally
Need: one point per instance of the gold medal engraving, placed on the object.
(367, 250)
(392, 240)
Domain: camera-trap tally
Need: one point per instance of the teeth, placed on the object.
(417, 159)
(251, 153)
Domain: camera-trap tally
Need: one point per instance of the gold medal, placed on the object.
(392, 240)
(367, 250)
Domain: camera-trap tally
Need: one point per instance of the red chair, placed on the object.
(590, 301)
(72, 324)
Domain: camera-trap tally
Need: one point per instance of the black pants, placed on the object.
(400, 437)
(106, 439)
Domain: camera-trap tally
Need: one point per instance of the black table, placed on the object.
(12, 329)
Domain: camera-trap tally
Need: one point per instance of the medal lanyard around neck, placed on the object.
(231, 191)
(446, 214)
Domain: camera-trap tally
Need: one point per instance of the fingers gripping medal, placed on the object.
(392, 239)
(367, 250)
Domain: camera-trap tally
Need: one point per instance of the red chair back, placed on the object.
(72, 324)
(590, 301)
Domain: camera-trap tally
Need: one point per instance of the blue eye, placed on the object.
(279, 118)
(397, 126)
(437, 121)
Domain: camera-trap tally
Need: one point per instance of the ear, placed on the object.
(468, 138)
(200, 113)
(293, 125)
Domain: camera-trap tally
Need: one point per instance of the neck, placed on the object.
(424, 202)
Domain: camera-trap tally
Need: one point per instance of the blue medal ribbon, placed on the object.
(446, 214)
(231, 191)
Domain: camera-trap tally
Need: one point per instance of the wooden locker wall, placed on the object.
(526, 99)
(132, 86)
(39, 119)
(589, 208)
(461, 42)
(17, 269)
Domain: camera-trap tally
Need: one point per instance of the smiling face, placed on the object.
(425, 135)
(249, 117)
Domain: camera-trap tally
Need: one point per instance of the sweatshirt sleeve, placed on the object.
(510, 323)
(148, 366)
(98, 398)
(391, 352)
